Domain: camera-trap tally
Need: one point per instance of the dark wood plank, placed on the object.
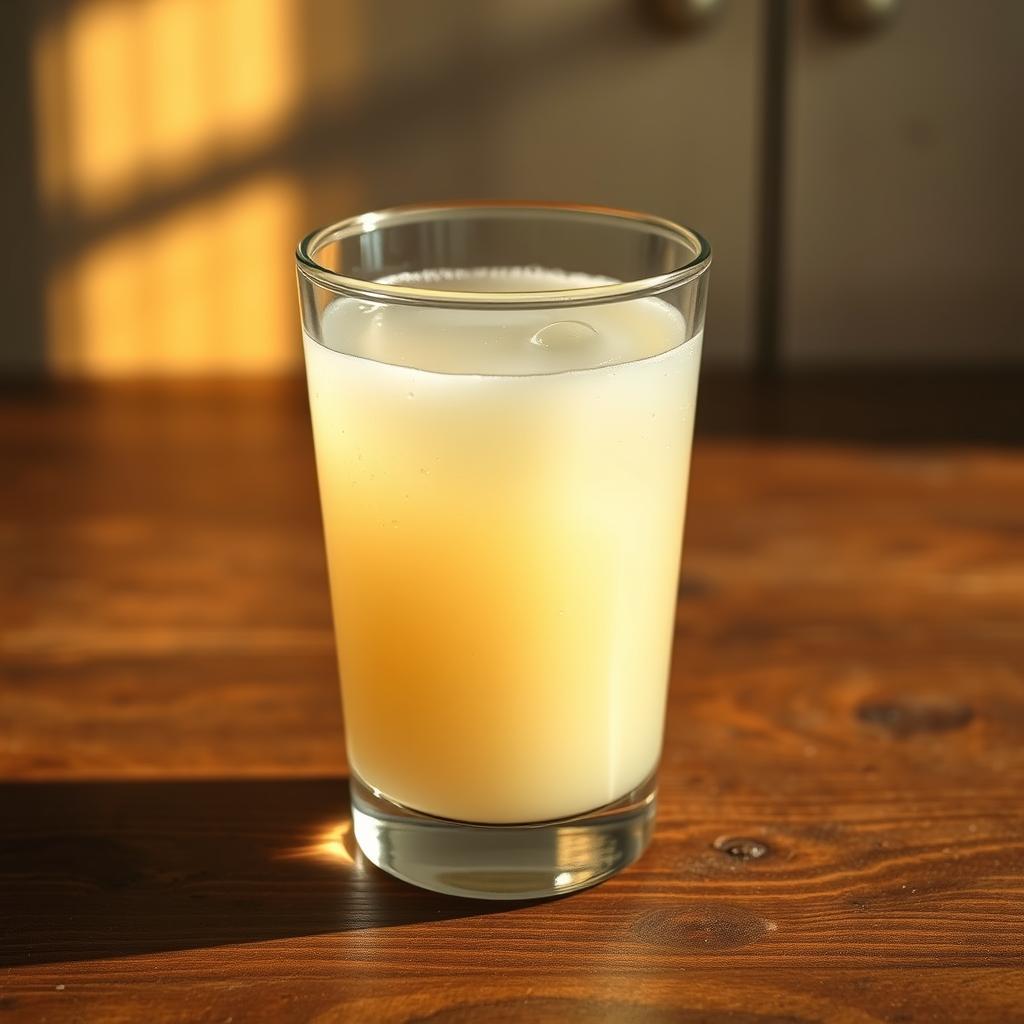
(841, 834)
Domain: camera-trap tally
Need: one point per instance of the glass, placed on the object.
(502, 399)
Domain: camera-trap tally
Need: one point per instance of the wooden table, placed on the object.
(841, 833)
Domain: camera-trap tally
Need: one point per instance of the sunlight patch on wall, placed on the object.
(172, 188)
(256, 67)
(209, 289)
(103, 75)
(135, 94)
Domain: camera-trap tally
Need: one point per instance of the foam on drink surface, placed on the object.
(503, 495)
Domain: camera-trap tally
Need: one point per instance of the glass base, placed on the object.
(502, 862)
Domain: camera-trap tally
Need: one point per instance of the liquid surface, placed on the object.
(503, 540)
(506, 342)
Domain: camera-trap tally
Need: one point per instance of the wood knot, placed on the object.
(913, 715)
(695, 588)
(740, 848)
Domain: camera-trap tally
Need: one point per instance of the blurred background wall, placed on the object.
(857, 169)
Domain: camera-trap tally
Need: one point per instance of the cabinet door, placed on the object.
(575, 101)
(612, 111)
(904, 163)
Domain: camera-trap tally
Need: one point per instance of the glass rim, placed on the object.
(416, 295)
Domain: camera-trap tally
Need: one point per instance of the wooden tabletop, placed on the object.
(841, 826)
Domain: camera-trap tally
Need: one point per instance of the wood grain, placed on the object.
(841, 829)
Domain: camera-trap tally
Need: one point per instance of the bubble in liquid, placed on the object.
(564, 335)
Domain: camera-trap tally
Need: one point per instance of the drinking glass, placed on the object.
(502, 398)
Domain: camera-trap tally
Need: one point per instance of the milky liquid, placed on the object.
(503, 496)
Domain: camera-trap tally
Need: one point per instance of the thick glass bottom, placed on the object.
(502, 862)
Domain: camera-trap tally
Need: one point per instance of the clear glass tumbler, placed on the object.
(502, 399)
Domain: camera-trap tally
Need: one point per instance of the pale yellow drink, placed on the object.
(503, 511)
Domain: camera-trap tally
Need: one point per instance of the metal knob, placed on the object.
(859, 15)
(683, 16)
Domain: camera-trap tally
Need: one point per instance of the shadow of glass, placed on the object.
(91, 870)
